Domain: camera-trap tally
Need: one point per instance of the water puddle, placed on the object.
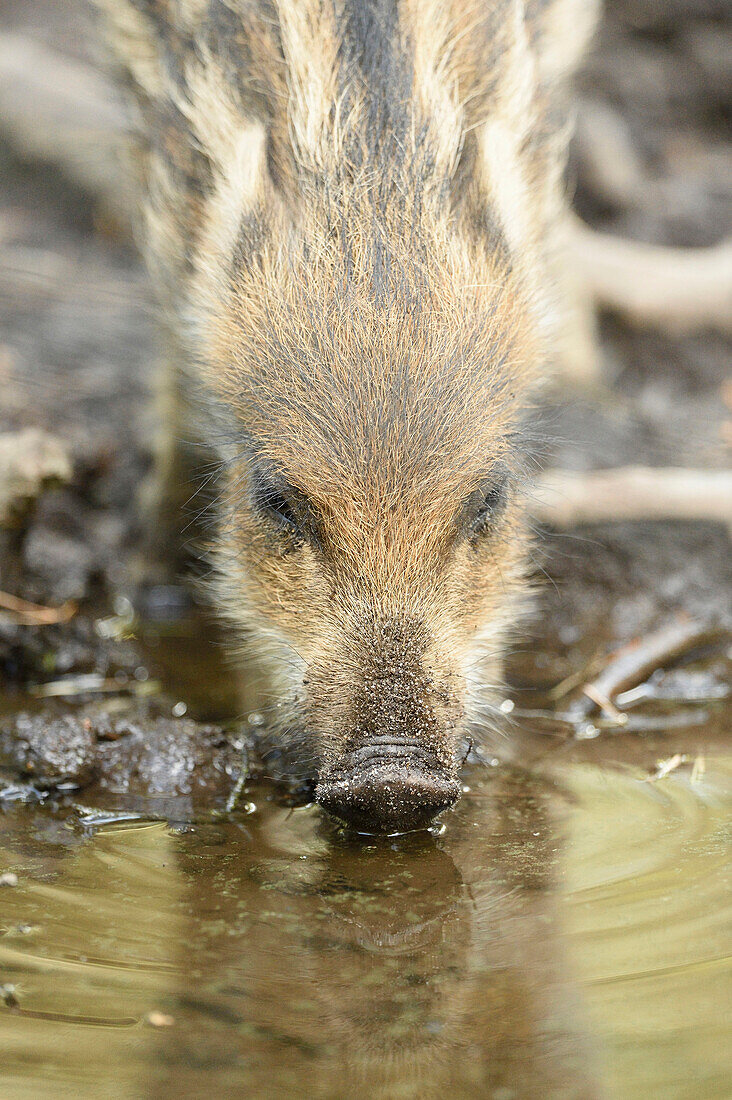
(645, 898)
(564, 935)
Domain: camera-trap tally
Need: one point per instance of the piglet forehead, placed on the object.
(404, 383)
(384, 443)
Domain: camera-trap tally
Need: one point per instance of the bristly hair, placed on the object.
(252, 107)
(353, 214)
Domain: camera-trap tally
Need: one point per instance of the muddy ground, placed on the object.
(110, 698)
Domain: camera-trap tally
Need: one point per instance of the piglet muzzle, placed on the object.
(387, 789)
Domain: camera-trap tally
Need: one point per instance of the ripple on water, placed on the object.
(646, 889)
(101, 915)
(515, 954)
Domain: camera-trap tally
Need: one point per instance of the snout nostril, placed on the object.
(384, 751)
(388, 798)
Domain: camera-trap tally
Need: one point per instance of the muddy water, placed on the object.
(565, 934)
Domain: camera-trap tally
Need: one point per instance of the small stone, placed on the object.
(54, 751)
(8, 878)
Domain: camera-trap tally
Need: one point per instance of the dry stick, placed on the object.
(632, 664)
(29, 272)
(677, 289)
(33, 614)
(565, 499)
(59, 110)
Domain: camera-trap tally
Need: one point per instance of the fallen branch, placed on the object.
(36, 273)
(58, 110)
(674, 288)
(634, 663)
(566, 499)
(33, 614)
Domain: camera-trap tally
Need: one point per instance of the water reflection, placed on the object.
(399, 968)
(548, 944)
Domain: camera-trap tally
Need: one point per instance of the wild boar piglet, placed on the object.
(353, 215)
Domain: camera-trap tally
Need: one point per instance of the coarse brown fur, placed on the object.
(353, 212)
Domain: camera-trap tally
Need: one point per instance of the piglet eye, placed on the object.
(284, 508)
(484, 506)
(278, 507)
(272, 499)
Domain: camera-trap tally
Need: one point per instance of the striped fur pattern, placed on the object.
(352, 210)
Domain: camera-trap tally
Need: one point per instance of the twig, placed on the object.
(92, 684)
(606, 705)
(565, 499)
(677, 289)
(59, 110)
(635, 662)
(665, 767)
(569, 683)
(33, 614)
